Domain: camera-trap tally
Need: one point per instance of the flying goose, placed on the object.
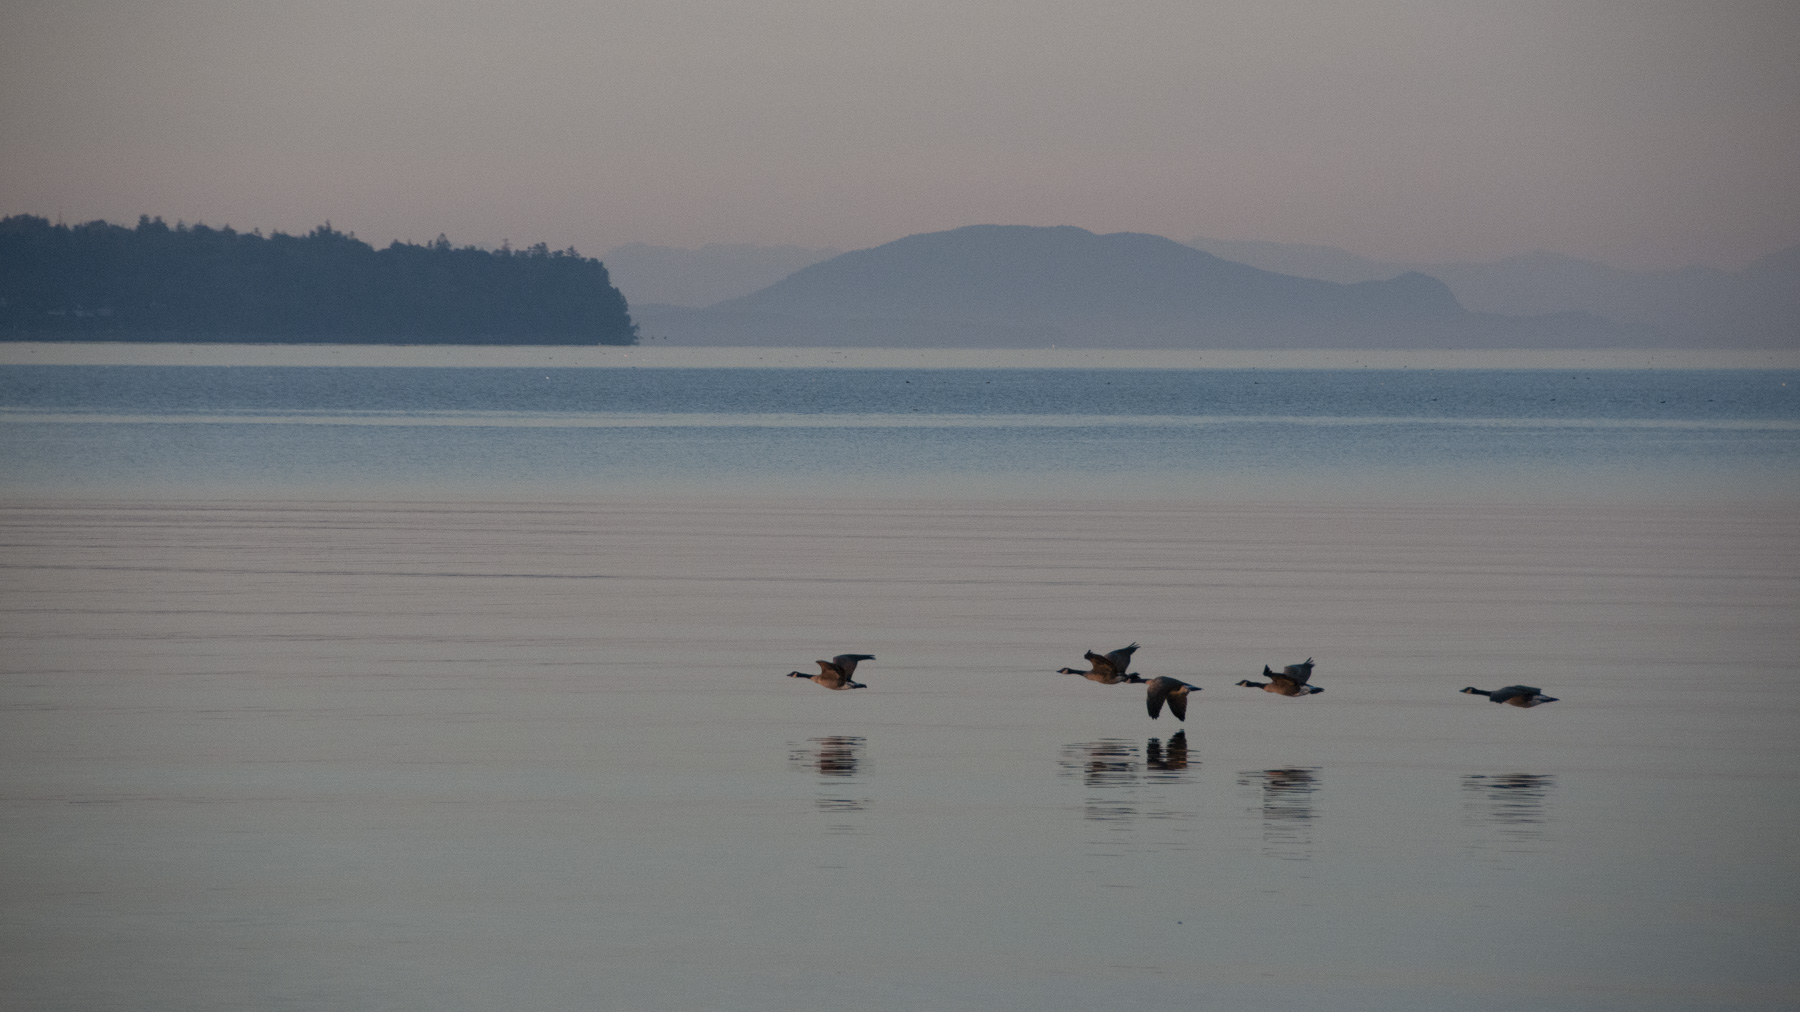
(1514, 695)
(1290, 682)
(835, 673)
(1108, 669)
(1173, 690)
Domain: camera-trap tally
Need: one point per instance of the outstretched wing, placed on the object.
(847, 662)
(1513, 692)
(1178, 707)
(830, 670)
(1299, 673)
(1155, 696)
(1120, 659)
(1099, 662)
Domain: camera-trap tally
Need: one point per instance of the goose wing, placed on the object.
(1157, 694)
(1120, 659)
(1178, 706)
(1299, 673)
(1099, 662)
(830, 669)
(847, 662)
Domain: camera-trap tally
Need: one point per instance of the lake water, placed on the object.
(436, 688)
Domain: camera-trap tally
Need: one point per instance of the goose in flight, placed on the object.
(1291, 681)
(1163, 689)
(1108, 669)
(1514, 695)
(835, 673)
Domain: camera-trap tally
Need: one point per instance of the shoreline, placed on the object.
(67, 353)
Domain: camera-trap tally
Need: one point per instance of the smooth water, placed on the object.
(464, 689)
(1324, 434)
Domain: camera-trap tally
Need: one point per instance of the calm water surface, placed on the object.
(444, 689)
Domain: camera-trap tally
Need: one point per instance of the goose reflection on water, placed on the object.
(1169, 763)
(838, 761)
(1119, 768)
(1285, 808)
(1513, 807)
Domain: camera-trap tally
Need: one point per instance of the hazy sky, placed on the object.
(1643, 132)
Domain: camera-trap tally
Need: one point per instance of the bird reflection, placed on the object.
(1170, 760)
(838, 760)
(837, 756)
(1121, 769)
(1512, 805)
(1285, 808)
(1109, 763)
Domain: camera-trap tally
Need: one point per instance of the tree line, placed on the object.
(99, 281)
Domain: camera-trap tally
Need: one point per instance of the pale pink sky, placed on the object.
(1642, 132)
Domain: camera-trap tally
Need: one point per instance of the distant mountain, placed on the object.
(1326, 263)
(1009, 286)
(700, 277)
(1693, 306)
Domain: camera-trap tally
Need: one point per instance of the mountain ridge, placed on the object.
(1758, 306)
(1122, 289)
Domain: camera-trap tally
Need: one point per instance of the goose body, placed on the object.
(1523, 696)
(835, 673)
(1290, 681)
(1163, 689)
(1104, 677)
(1108, 668)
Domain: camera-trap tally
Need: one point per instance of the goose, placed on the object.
(835, 673)
(1173, 690)
(1514, 695)
(1108, 669)
(1290, 682)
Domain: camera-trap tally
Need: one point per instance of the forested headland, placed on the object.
(99, 281)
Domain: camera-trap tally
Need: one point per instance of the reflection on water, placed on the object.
(1510, 809)
(1109, 763)
(1285, 806)
(1170, 763)
(837, 756)
(838, 760)
(1121, 770)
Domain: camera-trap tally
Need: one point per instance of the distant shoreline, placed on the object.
(15, 353)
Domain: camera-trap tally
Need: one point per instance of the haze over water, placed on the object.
(463, 688)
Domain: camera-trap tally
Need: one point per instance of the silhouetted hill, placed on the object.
(1692, 306)
(1304, 260)
(700, 277)
(105, 282)
(1003, 285)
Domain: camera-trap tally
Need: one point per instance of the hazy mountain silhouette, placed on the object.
(699, 277)
(1758, 306)
(1304, 260)
(1014, 285)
